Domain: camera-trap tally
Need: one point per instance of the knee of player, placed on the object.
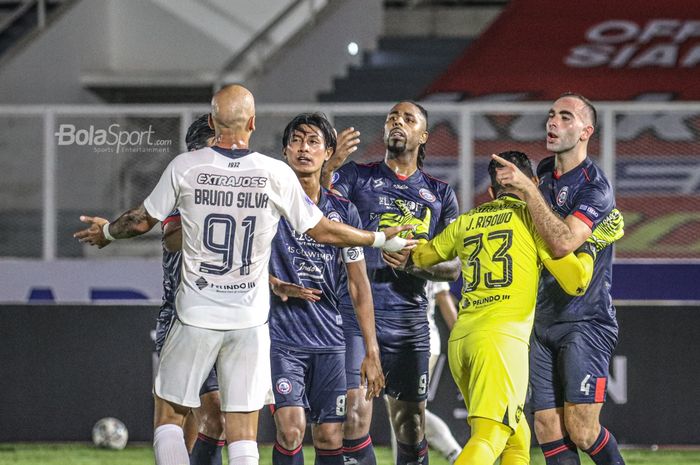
(290, 436)
(582, 435)
(408, 427)
(213, 425)
(328, 440)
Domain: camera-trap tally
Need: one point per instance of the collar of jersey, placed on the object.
(413, 178)
(231, 153)
(574, 172)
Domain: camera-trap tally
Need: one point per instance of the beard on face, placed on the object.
(396, 145)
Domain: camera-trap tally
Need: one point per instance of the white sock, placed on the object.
(243, 453)
(169, 446)
(439, 436)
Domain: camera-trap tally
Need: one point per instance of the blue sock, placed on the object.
(206, 451)
(412, 454)
(604, 450)
(561, 452)
(359, 451)
(282, 456)
(329, 456)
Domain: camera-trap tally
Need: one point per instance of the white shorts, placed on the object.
(242, 358)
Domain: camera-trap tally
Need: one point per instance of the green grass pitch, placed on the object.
(142, 454)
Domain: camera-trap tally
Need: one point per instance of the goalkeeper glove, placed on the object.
(611, 229)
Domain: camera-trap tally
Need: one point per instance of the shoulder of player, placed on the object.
(593, 174)
(435, 181)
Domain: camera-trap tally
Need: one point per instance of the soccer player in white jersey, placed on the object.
(230, 200)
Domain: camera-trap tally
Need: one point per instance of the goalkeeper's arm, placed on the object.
(573, 271)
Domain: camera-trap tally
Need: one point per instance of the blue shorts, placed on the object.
(354, 355)
(164, 322)
(406, 374)
(404, 346)
(569, 362)
(314, 381)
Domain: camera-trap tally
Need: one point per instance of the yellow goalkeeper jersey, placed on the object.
(501, 255)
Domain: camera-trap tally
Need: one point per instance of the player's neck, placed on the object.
(231, 141)
(403, 164)
(311, 186)
(566, 161)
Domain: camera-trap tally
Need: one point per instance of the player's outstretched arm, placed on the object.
(561, 235)
(342, 235)
(348, 140)
(285, 290)
(131, 223)
(360, 291)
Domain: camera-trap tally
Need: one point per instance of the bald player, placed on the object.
(230, 201)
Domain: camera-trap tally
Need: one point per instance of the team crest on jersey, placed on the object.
(334, 216)
(377, 183)
(426, 195)
(561, 196)
(335, 177)
(283, 386)
(201, 283)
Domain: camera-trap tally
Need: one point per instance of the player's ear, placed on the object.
(587, 133)
(492, 193)
(251, 124)
(329, 153)
(210, 121)
(423, 137)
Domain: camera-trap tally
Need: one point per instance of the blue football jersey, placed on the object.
(585, 193)
(384, 199)
(297, 258)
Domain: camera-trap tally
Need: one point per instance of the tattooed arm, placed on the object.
(131, 223)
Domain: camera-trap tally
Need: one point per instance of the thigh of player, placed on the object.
(354, 355)
(243, 369)
(405, 351)
(326, 388)
(546, 389)
(187, 357)
(491, 371)
(584, 360)
(289, 370)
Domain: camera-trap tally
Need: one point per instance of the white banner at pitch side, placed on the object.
(81, 281)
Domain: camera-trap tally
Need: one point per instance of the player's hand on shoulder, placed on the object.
(93, 234)
(285, 290)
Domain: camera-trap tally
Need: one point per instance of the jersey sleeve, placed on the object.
(572, 273)
(450, 210)
(353, 254)
(161, 202)
(344, 179)
(173, 216)
(301, 212)
(439, 248)
(592, 205)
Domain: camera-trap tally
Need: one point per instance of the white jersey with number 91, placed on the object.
(230, 202)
